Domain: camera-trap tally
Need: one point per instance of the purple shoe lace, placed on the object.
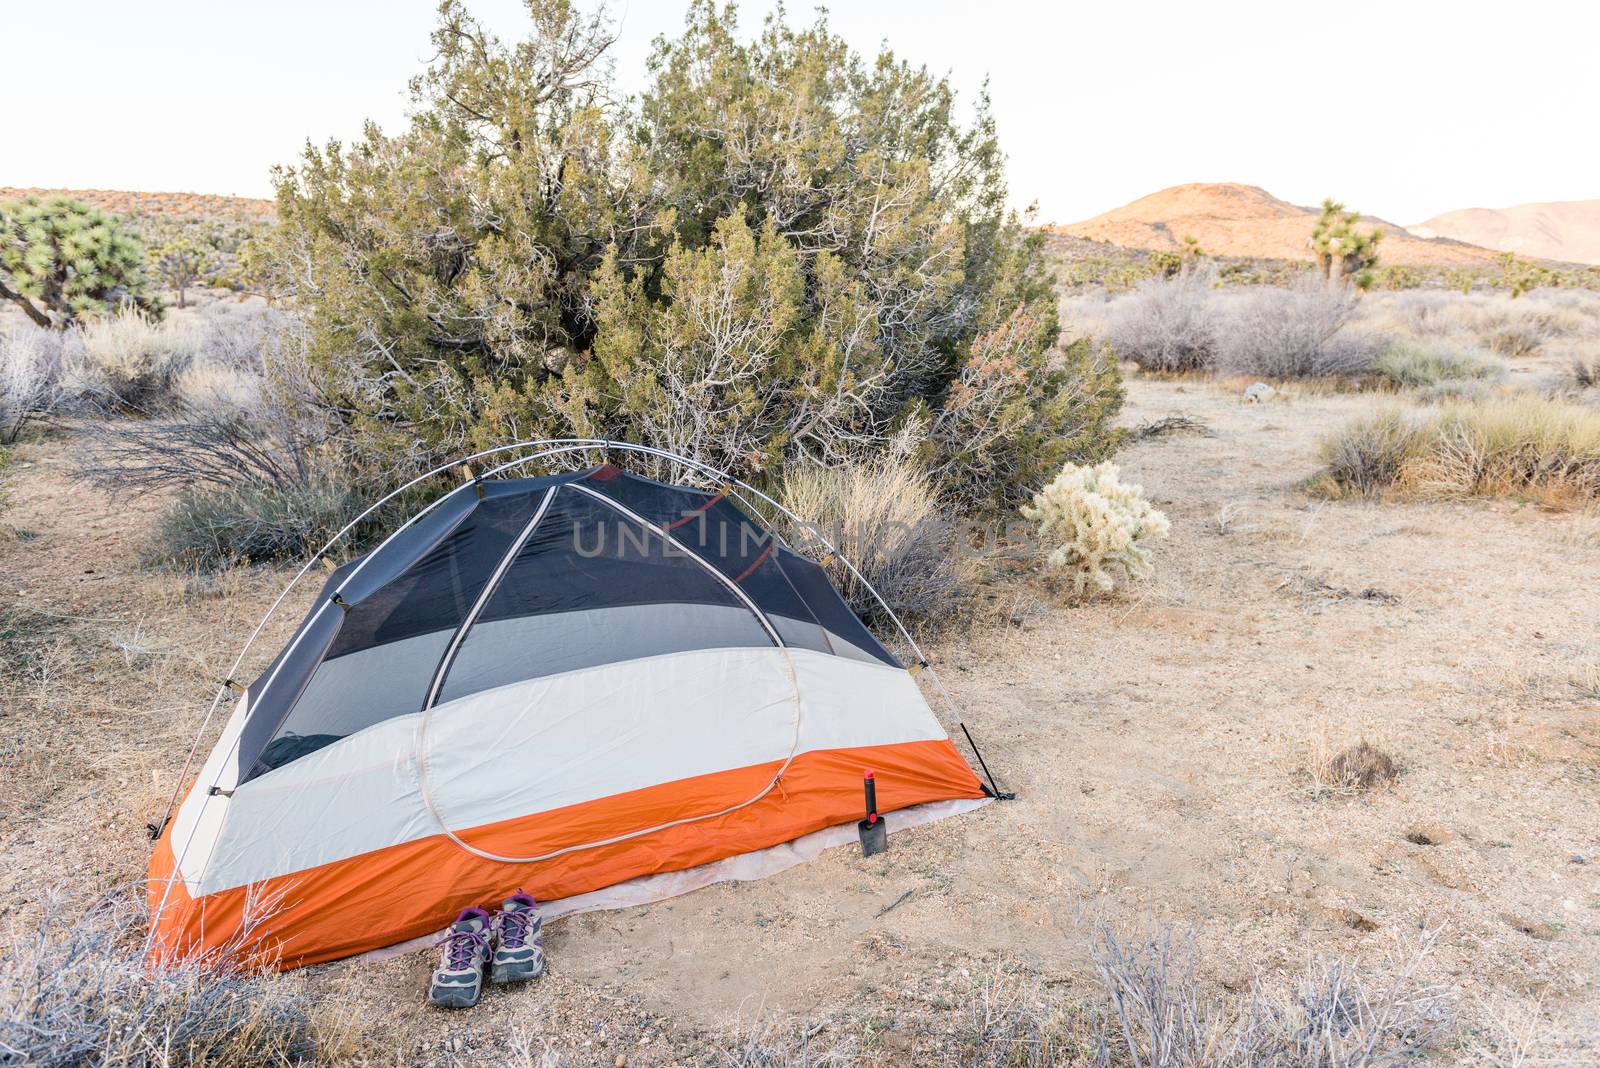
(514, 923)
(461, 943)
(514, 928)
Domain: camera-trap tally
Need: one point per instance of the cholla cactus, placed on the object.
(1100, 526)
(61, 260)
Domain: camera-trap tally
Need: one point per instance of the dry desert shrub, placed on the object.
(886, 519)
(131, 364)
(1331, 1015)
(1418, 312)
(1086, 313)
(1538, 447)
(75, 990)
(1362, 766)
(213, 388)
(1586, 372)
(1168, 324)
(128, 361)
(1369, 455)
(30, 378)
(1300, 332)
(1522, 327)
(1506, 326)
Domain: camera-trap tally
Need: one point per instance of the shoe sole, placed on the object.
(516, 973)
(455, 998)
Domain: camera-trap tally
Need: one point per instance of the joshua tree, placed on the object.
(1191, 252)
(183, 261)
(1344, 255)
(61, 260)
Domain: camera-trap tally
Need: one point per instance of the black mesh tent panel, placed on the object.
(791, 591)
(811, 584)
(273, 695)
(588, 586)
(591, 586)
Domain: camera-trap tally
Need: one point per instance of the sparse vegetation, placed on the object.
(248, 441)
(1095, 527)
(208, 529)
(127, 362)
(1522, 328)
(30, 379)
(1421, 365)
(888, 522)
(1520, 446)
(76, 991)
(62, 261)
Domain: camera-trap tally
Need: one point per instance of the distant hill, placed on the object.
(1563, 230)
(196, 205)
(1245, 220)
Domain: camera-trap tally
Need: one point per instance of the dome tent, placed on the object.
(559, 683)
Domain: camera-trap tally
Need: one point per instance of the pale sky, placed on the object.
(1402, 109)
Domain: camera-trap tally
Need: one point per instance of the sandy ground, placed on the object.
(1159, 744)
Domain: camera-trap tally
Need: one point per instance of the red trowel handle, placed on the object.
(871, 785)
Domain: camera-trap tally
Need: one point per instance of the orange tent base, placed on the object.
(416, 888)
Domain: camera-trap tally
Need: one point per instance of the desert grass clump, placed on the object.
(1362, 766)
(1167, 325)
(1424, 365)
(1095, 527)
(1524, 446)
(30, 379)
(75, 990)
(1520, 328)
(1298, 332)
(1152, 1009)
(1369, 455)
(886, 518)
(210, 529)
(1586, 373)
(1331, 1015)
(128, 362)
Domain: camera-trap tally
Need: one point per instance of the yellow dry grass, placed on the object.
(1528, 446)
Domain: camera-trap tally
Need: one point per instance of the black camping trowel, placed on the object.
(874, 832)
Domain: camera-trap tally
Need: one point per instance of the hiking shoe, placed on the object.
(518, 941)
(459, 978)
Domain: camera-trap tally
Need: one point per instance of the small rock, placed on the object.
(622, 1060)
(1578, 858)
(1256, 392)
